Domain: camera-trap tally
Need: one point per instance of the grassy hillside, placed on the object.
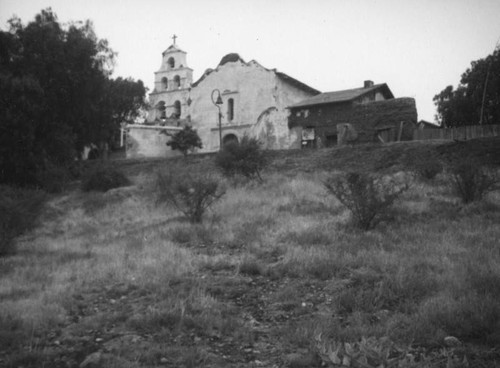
(275, 276)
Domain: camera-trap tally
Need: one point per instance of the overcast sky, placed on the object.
(417, 47)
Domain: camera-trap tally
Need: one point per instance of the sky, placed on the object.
(417, 47)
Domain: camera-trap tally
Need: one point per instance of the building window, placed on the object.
(177, 109)
(171, 63)
(177, 82)
(161, 109)
(164, 82)
(230, 109)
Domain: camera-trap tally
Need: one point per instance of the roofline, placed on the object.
(296, 83)
(368, 90)
(281, 75)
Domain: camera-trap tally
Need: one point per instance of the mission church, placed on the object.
(240, 98)
(252, 100)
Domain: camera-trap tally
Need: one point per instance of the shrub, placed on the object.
(244, 158)
(368, 197)
(19, 210)
(192, 194)
(472, 180)
(250, 266)
(426, 166)
(103, 179)
(185, 140)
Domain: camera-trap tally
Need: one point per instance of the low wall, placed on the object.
(149, 141)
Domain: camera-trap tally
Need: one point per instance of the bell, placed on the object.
(219, 101)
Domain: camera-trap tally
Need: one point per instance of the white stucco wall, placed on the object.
(147, 141)
(260, 101)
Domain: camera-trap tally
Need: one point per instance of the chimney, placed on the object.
(368, 83)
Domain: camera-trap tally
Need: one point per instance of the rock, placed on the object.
(91, 361)
(163, 360)
(295, 360)
(452, 341)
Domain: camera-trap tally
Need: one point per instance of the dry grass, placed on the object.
(431, 269)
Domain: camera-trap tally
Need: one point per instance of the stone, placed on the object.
(92, 361)
(452, 341)
(296, 360)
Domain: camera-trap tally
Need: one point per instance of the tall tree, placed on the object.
(56, 95)
(476, 99)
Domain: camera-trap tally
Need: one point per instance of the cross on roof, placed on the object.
(174, 37)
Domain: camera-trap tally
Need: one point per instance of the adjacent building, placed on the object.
(360, 115)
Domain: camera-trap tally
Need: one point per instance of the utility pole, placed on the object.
(486, 85)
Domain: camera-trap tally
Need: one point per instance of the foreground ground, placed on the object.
(274, 277)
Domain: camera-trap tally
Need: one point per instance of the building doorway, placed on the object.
(229, 138)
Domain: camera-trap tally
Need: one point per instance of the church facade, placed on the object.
(248, 98)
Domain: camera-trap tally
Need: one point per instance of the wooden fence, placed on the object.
(459, 133)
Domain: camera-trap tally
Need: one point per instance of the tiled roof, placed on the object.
(342, 96)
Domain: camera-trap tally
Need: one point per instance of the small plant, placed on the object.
(185, 140)
(103, 179)
(426, 166)
(367, 197)
(250, 266)
(375, 352)
(192, 194)
(472, 181)
(245, 158)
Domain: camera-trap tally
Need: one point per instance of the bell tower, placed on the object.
(172, 85)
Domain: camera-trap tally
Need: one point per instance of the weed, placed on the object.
(367, 197)
(251, 266)
(425, 165)
(308, 237)
(104, 178)
(192, 194)
(472, 180)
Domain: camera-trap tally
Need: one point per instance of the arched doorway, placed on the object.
(229, 138)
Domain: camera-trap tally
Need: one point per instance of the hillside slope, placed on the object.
(275, 276)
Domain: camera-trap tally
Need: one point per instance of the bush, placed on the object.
(367, 197)
(426, 166)
(184, 140)
(103, 179)
(244, 158)
(192, 194)
(19, 210)
(472, 180)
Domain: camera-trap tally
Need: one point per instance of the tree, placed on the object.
(56, 96)
(477, 97)
(185, 140)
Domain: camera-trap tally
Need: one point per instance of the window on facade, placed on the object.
(177, 109)
(230, 109)
(177, 82)
(164, 82)
(161, 109)
(171, 62)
